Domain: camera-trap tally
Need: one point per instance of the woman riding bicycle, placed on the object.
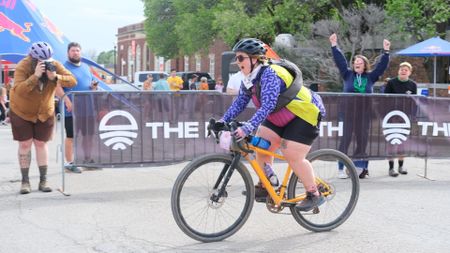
(291, 128)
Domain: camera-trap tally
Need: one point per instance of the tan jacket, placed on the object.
(27, 100)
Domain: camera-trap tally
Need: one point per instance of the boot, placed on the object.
(25, 187)
(393, 172)
(43, 187)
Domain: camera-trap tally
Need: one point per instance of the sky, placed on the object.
(92, 23)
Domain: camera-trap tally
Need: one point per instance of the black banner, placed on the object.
(119, 129)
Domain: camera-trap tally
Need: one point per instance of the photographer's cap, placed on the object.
(41, 51)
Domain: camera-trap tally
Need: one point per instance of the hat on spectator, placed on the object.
(204, 79)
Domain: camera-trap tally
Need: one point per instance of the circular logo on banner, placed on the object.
(118, 136)
(396, 132)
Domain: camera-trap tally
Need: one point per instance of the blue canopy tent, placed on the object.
(21, 24)
(430, 47)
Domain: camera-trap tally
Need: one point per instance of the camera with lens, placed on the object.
(49, 66)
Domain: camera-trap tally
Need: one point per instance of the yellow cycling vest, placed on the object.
(301, 105)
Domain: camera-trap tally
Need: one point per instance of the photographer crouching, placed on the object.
(32, 108)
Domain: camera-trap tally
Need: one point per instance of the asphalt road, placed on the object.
(128, 210)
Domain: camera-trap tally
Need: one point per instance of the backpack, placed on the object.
(294, 82)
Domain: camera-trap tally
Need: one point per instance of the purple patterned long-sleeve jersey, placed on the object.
(270, 90)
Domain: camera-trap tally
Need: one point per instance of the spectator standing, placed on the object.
(193, 82)
(175, 82)
(234, 83)
(85, 118)
(148, 84)
(203, 85)
(400, 85)
(359, 79)
(161, 84)
(162, 99)
(219, 85)
(3, 109)
(32, 108)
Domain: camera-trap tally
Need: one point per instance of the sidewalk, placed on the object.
(128, 210)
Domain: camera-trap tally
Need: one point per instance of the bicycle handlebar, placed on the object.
(215, 127)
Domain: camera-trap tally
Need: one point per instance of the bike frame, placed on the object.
(279, 199)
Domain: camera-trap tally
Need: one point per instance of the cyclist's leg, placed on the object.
(267, 132)
(298, 137)
(295, 154)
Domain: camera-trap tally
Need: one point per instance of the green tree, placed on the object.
(183, 27)
(419, 19)
(160, 27)
(194, 28)
(106, 58)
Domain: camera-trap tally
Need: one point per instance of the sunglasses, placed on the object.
(240, 58)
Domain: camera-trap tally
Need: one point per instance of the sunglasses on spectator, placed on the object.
(240, 58)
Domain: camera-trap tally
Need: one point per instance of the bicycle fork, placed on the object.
(226, 172)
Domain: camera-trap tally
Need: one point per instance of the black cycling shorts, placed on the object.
(296, 130)
(84, 124)
(68, 125)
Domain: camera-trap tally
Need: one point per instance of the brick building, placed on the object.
(133, 54)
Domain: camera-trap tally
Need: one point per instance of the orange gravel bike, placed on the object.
(214, 194)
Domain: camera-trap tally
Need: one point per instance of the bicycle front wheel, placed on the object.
(200, 209)
(341, 194)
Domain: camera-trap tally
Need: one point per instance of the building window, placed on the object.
(212, 66)
(198, 62)
(186, 63)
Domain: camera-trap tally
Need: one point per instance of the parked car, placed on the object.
(141, 76)
(188, 75)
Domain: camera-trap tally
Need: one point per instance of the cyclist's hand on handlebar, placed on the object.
(219, 125)
(239, 134)
(214, 127)
(244, 129)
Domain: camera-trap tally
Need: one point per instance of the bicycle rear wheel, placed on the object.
(200, 210)
(341, 195)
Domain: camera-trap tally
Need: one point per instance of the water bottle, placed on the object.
(260, 142)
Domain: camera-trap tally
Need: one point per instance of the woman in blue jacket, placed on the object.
(359, 79)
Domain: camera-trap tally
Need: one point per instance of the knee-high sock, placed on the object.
(24, 172)
(43, 172)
